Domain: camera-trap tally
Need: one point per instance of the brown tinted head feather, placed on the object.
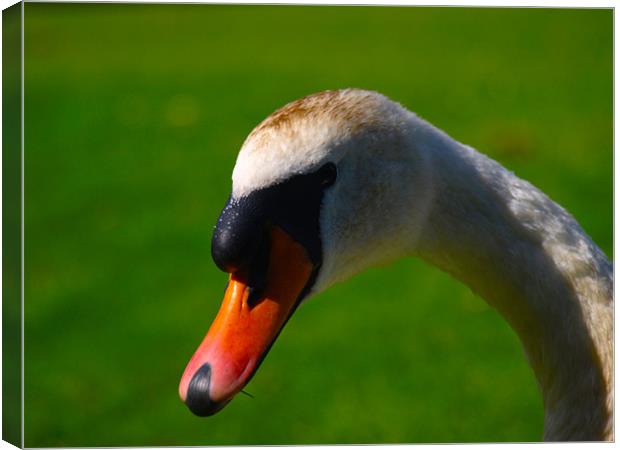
(350, 109)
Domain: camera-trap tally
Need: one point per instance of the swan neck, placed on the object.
(529, 259)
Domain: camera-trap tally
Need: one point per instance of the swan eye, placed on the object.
(328, 174)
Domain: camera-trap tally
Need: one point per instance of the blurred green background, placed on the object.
(134, 116)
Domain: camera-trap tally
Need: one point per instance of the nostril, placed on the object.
(197, 399)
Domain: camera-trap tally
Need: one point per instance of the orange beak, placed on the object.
(242, 333)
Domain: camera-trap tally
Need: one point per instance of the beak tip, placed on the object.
(197, 398)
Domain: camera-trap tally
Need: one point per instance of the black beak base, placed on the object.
(238, 241)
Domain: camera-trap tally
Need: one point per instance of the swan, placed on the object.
(342, 180)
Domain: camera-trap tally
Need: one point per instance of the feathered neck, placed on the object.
(529, 259)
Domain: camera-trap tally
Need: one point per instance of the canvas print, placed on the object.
(292, 225)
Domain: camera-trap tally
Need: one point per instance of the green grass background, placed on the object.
(134, 116)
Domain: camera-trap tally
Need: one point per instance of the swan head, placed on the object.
(323, 188)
